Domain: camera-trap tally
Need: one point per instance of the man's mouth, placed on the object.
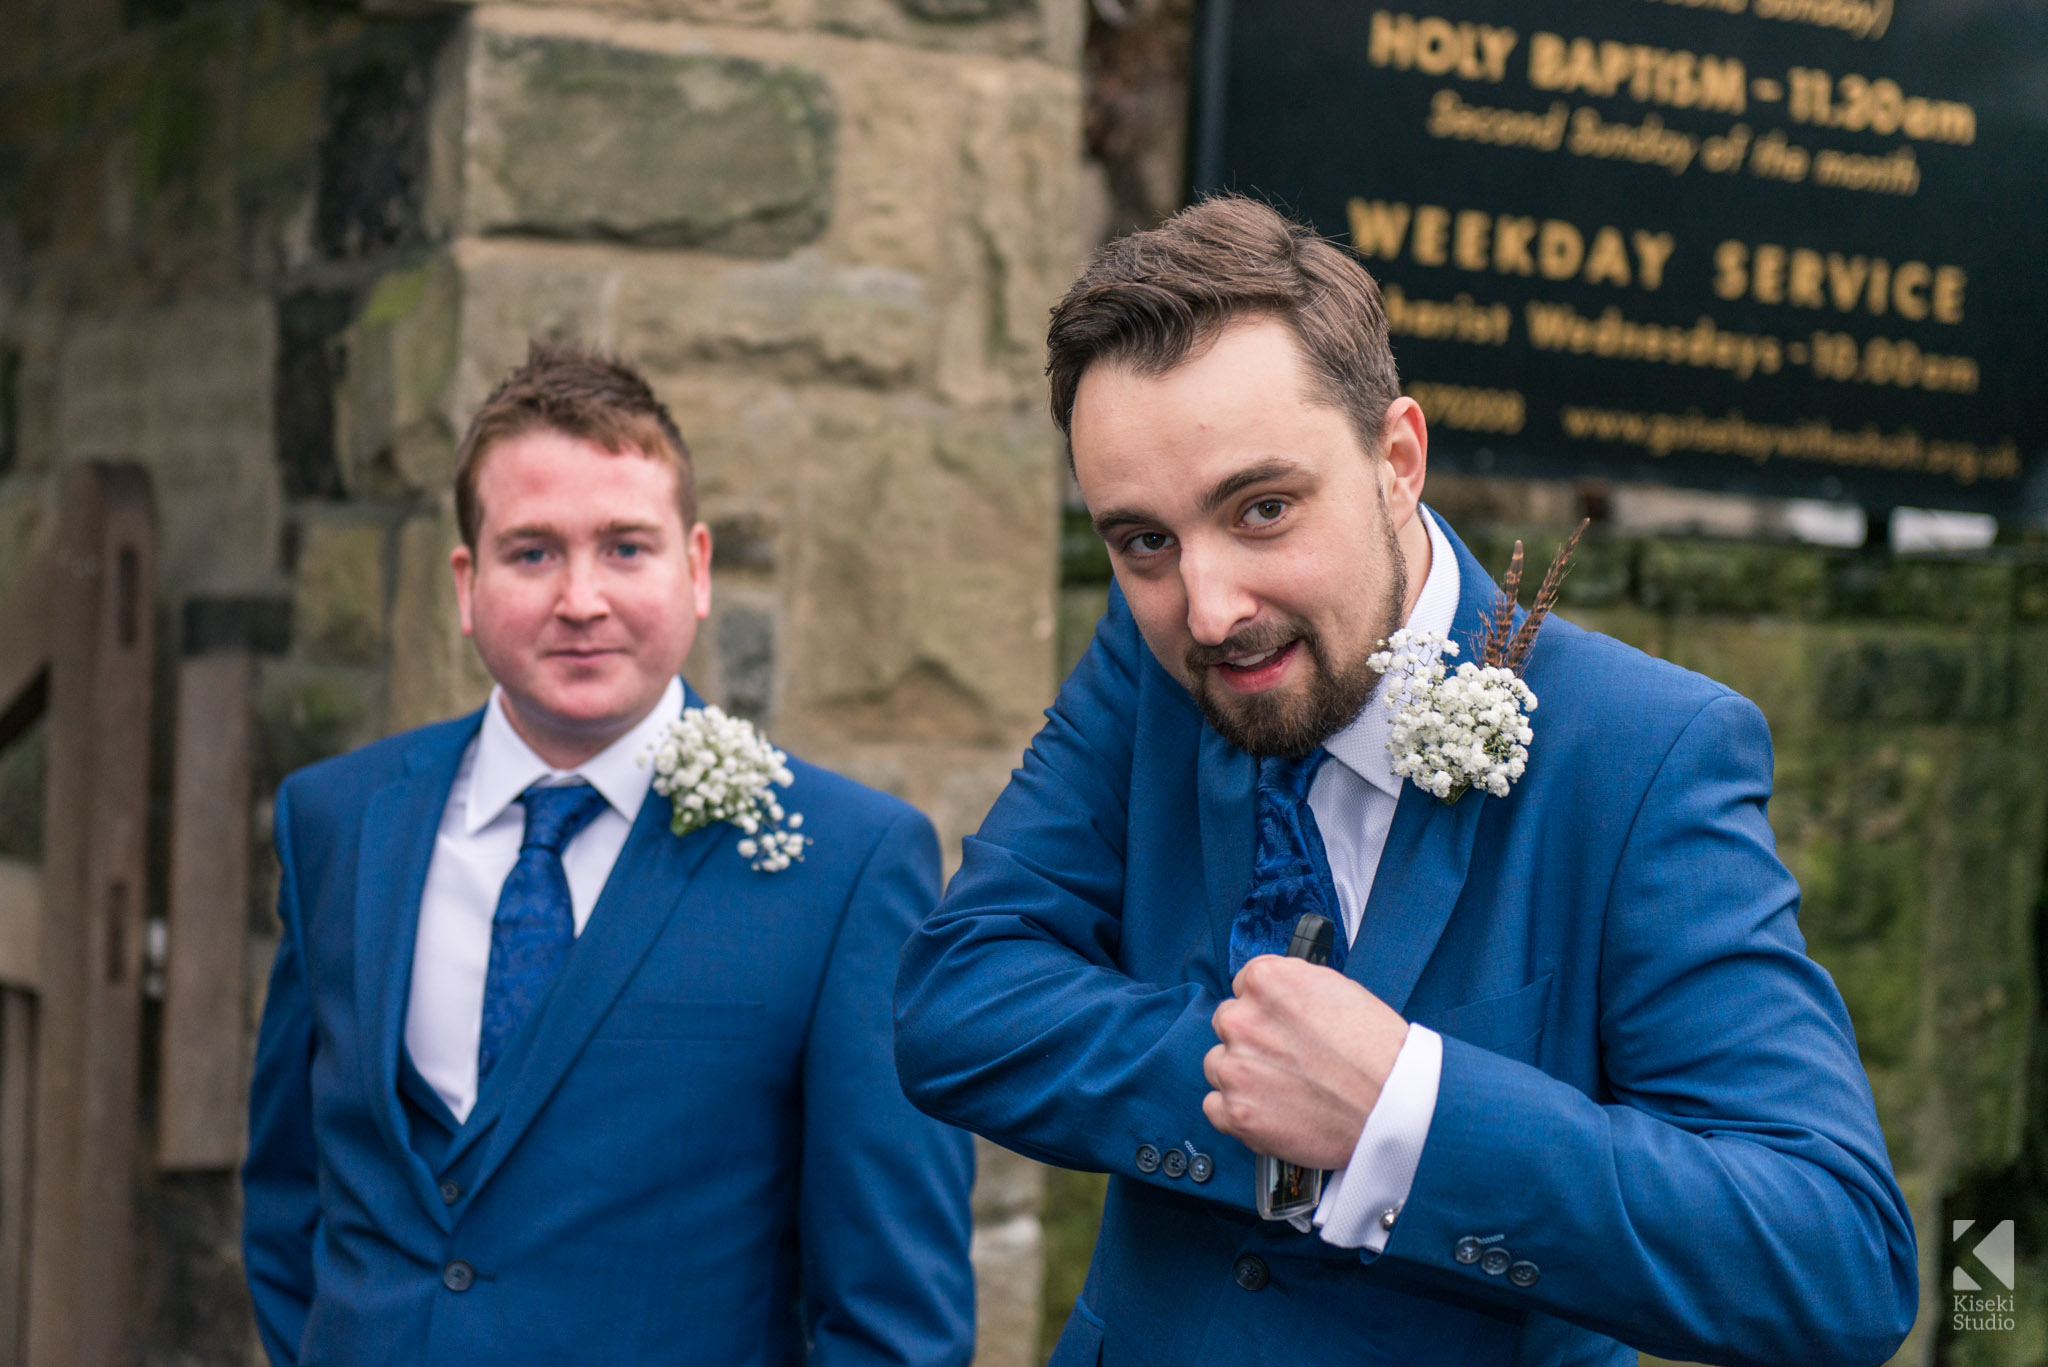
(1259, 669)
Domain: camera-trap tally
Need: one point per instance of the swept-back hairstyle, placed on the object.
(580, 392)
(1150, 299)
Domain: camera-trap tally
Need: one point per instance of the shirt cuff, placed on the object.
(1362, 1200)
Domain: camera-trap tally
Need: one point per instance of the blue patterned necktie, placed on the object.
(534, 926)
(1291, 872)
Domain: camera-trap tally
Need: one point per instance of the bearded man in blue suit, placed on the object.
(1577, 1086)
(541, 1082)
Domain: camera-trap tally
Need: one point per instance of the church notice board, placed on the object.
(1784, 247)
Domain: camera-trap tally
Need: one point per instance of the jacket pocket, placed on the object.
(1511, 1024)
(1080, 1342)
(632, 1020)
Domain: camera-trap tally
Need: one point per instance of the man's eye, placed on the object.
(1148, 543)
(530, 555)
(629, 550)
(1264, 511)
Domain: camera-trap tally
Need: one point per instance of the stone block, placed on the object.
(894, 179)
(511, 293)
(786, 14)
(1050, 30)
(801, 318)
(922, 594)
(1015, 246)
(578, 139)
(339, 604)
(393, 427)
(435, 672)
(186, 390)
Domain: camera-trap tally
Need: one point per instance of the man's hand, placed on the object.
(1305, 1052)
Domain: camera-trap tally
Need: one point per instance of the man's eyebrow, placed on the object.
(1109, 519)
(1264, 472)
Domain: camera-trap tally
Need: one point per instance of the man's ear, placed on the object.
(1404, 459)
(462, 564)
(699, 552)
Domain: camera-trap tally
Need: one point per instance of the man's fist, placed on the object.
(1305, 1052)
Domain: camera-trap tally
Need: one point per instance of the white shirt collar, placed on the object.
(1362, 746)
(506, 765)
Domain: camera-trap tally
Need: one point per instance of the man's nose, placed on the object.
(582, 597)
(1218, 601)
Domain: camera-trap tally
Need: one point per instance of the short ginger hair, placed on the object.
(1151, 299)
(580, 392)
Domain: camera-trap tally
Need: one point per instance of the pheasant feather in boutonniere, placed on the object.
(714, 767)
(1464, 728)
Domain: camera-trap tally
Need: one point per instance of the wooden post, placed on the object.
(88, 1020)
(200, 1107)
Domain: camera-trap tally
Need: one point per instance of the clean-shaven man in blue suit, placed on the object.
(540, 1082)
(1577, 1086)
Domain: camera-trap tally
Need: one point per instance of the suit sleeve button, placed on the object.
(450, 1193)
(458, 1276)
(1495, 1261)
(1148, 1158)
(1467, 1250)
(1174, 1163)
(1201, 1167)
(1524, 1274)
(1250, 1272)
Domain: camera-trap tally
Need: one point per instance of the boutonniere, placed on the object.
(1468, 727)
(712, 767)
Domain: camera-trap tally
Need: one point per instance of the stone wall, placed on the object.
(277, 250)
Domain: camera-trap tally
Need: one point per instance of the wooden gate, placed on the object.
(76, 651)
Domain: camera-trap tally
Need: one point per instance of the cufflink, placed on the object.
(1388, 1216)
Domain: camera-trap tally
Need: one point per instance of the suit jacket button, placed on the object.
(1148, 1158)
(1524, 1274)
(1495, 1261)
(1467, 1250)
(1174, 1163)
(1250, 1272)
(1201, 1167)
(450, 1193)
(458, 1276)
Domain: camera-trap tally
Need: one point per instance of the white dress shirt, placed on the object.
(474, 851)
(1353, 800)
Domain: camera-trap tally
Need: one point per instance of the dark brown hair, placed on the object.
(1149, 299)
(580, 392)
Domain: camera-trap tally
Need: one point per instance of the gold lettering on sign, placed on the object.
(1439, 47)
(1674, 78)
(1800, 277)
(1509, 244)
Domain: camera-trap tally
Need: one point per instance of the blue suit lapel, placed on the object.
(400, 821)
(646, 886)
(1226, 780)
(1421, 870)
(1429, 846)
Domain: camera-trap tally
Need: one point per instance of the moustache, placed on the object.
(1250, 641)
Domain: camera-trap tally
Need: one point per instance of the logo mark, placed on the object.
(1993, 1252)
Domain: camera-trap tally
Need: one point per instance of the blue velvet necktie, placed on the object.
(1291, 872)
(534, 926)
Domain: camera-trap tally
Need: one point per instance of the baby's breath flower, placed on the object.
(713, 767)
(1453, 730)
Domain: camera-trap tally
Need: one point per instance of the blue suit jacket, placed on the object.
(695, 1151)
(1649, 1091)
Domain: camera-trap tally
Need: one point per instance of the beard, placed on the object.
(1295, 721)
